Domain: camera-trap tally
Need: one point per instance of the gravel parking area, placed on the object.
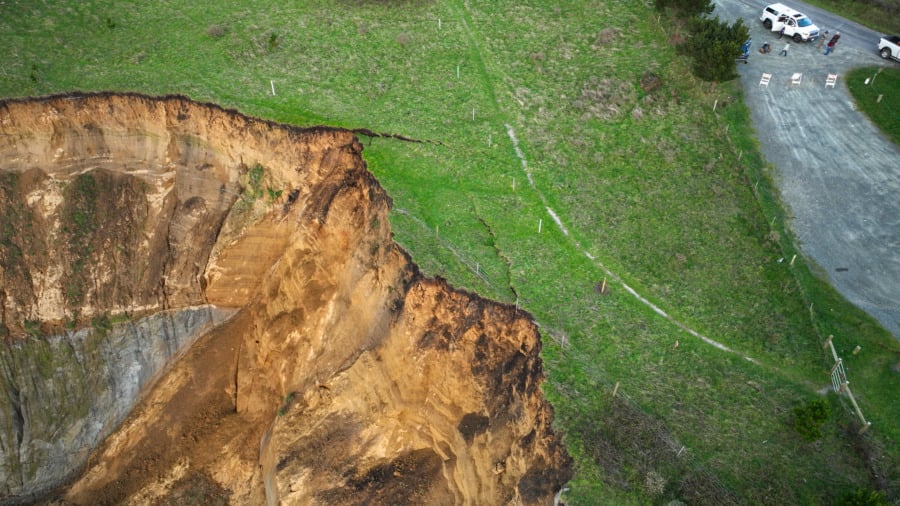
(838, 175)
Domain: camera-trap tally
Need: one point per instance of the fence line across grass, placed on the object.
(841, 384)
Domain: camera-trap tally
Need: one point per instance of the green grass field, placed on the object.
(881, 15)
(880, 99)
(540, 116)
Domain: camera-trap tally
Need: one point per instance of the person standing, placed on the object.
(832, 42)
(785, 50)
(779, 26)
(822, 40)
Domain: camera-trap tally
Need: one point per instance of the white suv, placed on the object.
(796, 24)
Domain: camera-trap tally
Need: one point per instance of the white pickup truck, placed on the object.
(889, 47)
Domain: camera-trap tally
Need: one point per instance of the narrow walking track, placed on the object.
(473, 42)
(656, 309)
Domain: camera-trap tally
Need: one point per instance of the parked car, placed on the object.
(889, 47)
(795, 23)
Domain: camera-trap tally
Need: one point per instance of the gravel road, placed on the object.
(838, 175)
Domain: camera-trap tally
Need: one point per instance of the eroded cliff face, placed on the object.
(344, 376)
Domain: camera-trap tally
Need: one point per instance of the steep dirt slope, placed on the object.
(344, 377)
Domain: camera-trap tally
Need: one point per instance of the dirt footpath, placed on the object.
(838, 175)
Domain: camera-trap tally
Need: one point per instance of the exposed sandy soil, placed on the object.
(345, 377)
(183, 426)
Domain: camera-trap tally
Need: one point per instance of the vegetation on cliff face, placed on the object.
(62, 394)
(16, 238)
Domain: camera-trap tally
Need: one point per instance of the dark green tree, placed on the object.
(713, 45)
(864, 497)
(686, 8)
(809, 418)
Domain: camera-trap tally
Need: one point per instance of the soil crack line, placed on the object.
(500, 255)
(446, 244)
(365, 132)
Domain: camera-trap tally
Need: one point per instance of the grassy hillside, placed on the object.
(876, 92)
(572, 150)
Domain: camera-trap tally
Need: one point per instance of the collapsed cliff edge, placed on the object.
(195, 303)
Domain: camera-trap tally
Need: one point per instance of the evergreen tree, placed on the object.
(713, 45)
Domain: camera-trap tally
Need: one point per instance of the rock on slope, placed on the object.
(343, 374)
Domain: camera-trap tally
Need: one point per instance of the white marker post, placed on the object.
(272, 84)
(540, 224)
